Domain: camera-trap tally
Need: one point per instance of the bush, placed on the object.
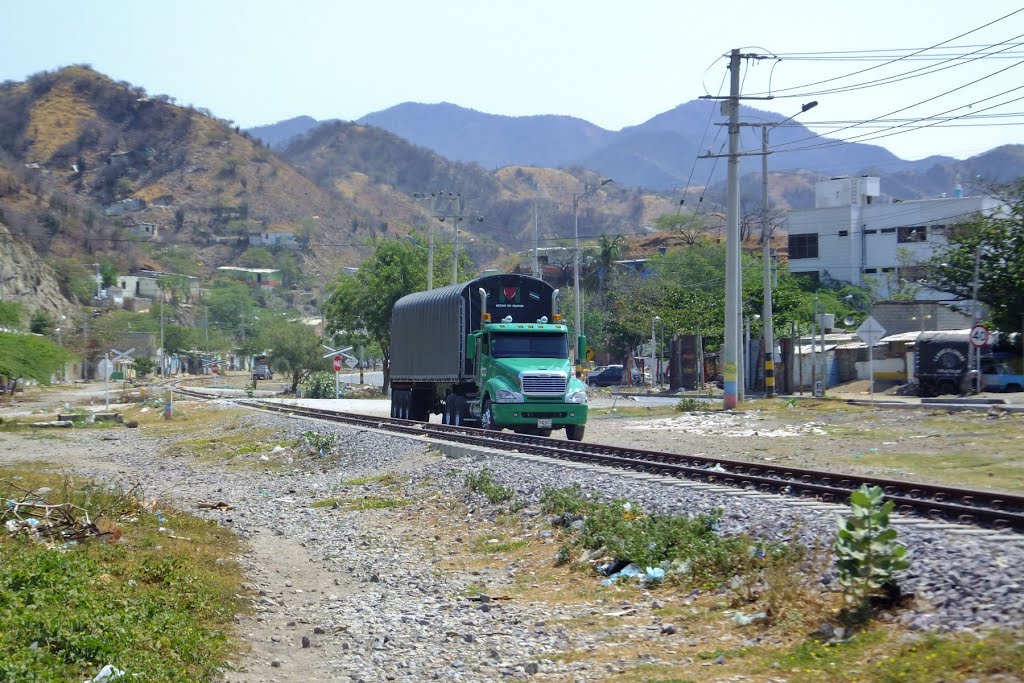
(322, 444)
(868, 555)
(319, 385)
(483, 482)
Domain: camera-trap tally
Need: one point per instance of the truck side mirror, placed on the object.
(471, 346)
(581, 349)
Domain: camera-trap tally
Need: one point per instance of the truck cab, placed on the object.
(526, 380)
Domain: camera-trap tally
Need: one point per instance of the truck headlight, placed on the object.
(579, 396)
(506, 396)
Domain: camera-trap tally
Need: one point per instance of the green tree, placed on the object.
(256, 257)
(27, 356)
(41, 323)
(688, 227)
(232, 307)
(293, 346)
(363, 302)
(12, 314)
(998, 241)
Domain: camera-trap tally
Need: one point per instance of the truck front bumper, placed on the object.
(533, 414)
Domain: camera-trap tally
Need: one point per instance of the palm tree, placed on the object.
(609, 250)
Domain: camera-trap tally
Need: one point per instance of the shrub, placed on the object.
(483, 483)
(319, 385)
(868, 555)
(322, 444)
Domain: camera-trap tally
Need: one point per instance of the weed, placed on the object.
(161, 604)
(483, 482)
(321, 443)
(868, 555)
(490, 544)
(691, 404)
(386, 479)
(561, 501)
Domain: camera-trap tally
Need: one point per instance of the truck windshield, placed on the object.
(509, 345)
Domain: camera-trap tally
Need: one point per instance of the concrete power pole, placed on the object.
(732, 238)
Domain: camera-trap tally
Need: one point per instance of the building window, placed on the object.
(912, 233)
(870, 232)
(803, 246)
(887, 231)
(870, 270)
(844, 233)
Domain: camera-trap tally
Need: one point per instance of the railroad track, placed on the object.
(966, 506)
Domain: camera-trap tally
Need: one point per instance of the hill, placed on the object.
(86, 162)
(382, 169)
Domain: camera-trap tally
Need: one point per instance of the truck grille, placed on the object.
(535, 383)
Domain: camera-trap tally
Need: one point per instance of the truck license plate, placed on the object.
(544, 423)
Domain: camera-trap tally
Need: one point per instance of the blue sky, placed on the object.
(615, 64)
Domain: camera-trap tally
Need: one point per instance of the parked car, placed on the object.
(611, 376)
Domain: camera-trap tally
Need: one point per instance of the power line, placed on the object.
(892, 61)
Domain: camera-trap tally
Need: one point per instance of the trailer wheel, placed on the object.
(487, 417)
(574, 432)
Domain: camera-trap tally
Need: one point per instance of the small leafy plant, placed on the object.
(483, 482)
(868, 555)
(322, 444)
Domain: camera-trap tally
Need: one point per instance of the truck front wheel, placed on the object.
(487, 417)
(574, 432)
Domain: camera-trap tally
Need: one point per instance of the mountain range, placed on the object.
(663, 154)
(98, 171)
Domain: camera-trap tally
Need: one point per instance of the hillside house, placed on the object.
(143, 284)
(851, 236)
(148, 230)
(256, 277)
(273, 239)
(129, 205)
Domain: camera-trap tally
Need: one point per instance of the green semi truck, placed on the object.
(492, 352)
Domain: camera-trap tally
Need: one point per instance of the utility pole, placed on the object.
(430, 235)
(732, 238)
(85, 347)
(733, 274)
(536, 238)
(163, 353)
(766, 256)
(977, 315)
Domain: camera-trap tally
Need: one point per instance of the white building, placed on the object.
(851, 236)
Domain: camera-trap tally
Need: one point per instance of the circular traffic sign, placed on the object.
(337, 363)
(214, 368)
(979, 335)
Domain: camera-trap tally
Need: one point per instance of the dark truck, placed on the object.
(491, 352)
(944, 363)
(261, 368)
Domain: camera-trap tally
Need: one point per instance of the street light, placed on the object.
(576, 259)
(766, 256)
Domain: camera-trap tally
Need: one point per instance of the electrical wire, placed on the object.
(892, 61)
(889, 80)
(916, 104)
(693, 167)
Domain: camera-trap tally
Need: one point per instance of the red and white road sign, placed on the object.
(337, 363)
(979, 335)
(215, 368)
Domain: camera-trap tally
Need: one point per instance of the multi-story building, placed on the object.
(852, 236)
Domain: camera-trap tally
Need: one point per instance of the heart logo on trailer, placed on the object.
(510, 294)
